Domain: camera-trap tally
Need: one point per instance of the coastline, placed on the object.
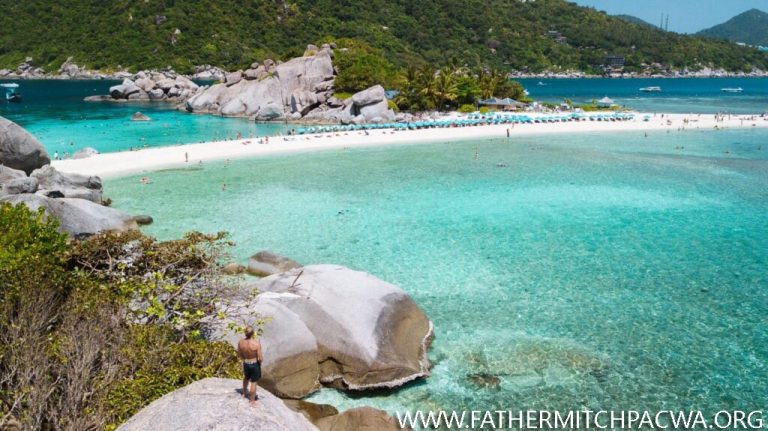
(152, 159)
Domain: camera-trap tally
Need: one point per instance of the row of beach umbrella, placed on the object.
(471, 120)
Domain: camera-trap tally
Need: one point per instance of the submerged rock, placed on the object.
(216, 404)
(266, 263)
(19, 149)
(85, 153)
(143, 219)
(138, 116)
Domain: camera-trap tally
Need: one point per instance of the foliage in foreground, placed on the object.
(91, 331)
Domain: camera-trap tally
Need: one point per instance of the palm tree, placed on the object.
(444, 88)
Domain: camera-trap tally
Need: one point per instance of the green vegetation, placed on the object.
(452, 87)
(500, 34)
(750, 27)
(93, 330)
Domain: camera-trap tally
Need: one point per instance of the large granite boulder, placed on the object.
(124, 90)
(269, 91)
(359, 419)
(19, 185)
(8, 174)
(368, 333)
(77, 217)
(19, 149)
(85, 153)
(69, 185)
(291, 355)
(372, 105)
(215, 404)
(266, 263)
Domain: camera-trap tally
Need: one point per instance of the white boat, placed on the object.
(732, 90)
(10, 94)
(651, 89)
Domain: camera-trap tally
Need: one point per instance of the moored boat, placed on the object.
(652, 89)
(732, 90)
(11, 95)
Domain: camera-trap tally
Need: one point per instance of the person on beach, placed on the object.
(186, 157)
(56, 155)
(249, 351)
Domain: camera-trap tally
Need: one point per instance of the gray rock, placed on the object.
(143, 219)
(124, 90)
(378, 110)
(85, 153)
(369, 333)
(8, 174)
(271, 111)
(77, 217)
(145, 84)
(266, 263)
(215, 404)
(291, 367)
(233, 78)
(174, 92)
(69, 185)
(369, 96)
(20, 150)
(156, 94)
(20, 185)
(233, 268)
(140, 95)
(303, 101)
(138, 116)
(360, 418)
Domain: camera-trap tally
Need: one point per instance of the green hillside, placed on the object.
(635, 20)
(750, 27)
(230, 33)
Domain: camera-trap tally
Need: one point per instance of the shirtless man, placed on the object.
(249, 350)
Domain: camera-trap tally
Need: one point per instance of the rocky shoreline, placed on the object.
(320, 325)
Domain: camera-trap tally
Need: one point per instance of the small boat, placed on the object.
(732, 90)
(651, 89)
(541, 84)
(10, 93)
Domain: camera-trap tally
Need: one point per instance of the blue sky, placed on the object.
(685, 16)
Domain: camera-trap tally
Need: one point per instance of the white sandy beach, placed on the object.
(152, 159)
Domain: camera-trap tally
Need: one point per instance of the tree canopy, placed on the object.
(234, 33)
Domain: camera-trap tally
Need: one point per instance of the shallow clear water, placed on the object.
(679, 95)
(608, 271)
(54, 111)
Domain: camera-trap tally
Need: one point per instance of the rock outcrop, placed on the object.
(330, 325)
(68, 185)
(359, 419)
(77, 217)
(75, 200)
(301, 88)
(151, 85)
(20, 150)
(215, 404)
(208, 72)
(266, 263)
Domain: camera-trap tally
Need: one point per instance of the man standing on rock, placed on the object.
(249, 350)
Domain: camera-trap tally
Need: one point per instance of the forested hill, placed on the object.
(750, 27)
(229, 33)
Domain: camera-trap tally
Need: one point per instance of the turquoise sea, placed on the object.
(678, 95)
(601, 271)
(54, 111)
